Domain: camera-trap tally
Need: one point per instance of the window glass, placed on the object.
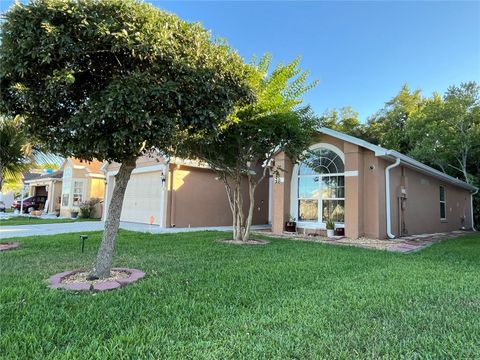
(308, 210)
(308, 187)
(77, 193)
(334, 210)
(65, 198)
(321, 187)
(442, 193)
(322, 161)
(443, 204)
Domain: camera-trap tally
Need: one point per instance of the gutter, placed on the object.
(387, 197)
(471, 203)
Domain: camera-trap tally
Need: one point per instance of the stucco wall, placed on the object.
(421, 212)
(97, 188)
(365, 205)
(196, 198)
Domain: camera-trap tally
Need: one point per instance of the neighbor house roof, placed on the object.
(32, 177)
(392, 155)
(92, 167)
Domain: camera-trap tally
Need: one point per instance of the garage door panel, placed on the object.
(143, 198)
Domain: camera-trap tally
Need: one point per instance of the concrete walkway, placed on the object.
(85, 226)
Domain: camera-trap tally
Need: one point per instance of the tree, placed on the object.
(446, 133)
(246, 145)
(388, 125)
(111, 80)
(344, 120)
(16, 154)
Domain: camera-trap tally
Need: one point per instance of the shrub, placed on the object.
(87, 207)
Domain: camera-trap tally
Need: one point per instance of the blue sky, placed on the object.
(362, 52)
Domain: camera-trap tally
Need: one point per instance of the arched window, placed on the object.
(321, 187)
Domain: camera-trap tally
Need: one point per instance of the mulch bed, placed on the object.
(9, 246)
(407, 244)
(239, 242)
(76, 280)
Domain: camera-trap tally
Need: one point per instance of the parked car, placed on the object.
(31, 203)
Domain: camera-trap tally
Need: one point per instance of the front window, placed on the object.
(65, 198)
(321, 187)
(443, 204)
(77, 193)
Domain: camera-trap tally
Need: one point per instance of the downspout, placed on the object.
(471, 202)
(387, 197)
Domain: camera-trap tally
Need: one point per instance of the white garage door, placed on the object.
(143, 198)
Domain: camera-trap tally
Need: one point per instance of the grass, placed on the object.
(202, 299)
(31, 220)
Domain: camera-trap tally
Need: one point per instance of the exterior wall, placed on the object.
(97, 188)
(361, 196)
(92, 187)
(372, 188)
(281, 193)
(421, 208)
(196, 199)
(55, 196)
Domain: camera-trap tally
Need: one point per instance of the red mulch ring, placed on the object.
(239, 242)
(9, 246)
(76, 280)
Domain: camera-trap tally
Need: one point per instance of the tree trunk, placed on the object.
(103, 264)
(251, 206)
(1, 177)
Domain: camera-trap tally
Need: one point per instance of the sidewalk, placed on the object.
(85, 226)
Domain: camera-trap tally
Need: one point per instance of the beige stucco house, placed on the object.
(81, 181)
(368, 190)
(343, 179)
(178, 193)
(76, 181)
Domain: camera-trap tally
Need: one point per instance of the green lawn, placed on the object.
(27, 220)
(206, 300)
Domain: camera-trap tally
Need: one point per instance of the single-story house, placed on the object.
(76, 181)
(81, 181)
(368, 190)
(365, 189)
(178, 193)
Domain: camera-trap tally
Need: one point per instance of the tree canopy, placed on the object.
(16, 155)
(248, 141)
(112, 79)
(107, 79)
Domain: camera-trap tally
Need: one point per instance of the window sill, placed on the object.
(443, 220)
(316, 226)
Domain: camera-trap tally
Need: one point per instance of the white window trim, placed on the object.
(82, 181)
(70, 195)
(61, 201)
(294, 191)
(444, 202)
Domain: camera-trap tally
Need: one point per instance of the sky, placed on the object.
(362, 52)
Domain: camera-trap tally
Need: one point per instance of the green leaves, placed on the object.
(15, 152)
(254, 132)
(103, 79)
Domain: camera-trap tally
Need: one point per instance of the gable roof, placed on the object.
(393, 155)
(32, 177)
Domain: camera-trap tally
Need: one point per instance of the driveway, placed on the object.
(85, 226)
